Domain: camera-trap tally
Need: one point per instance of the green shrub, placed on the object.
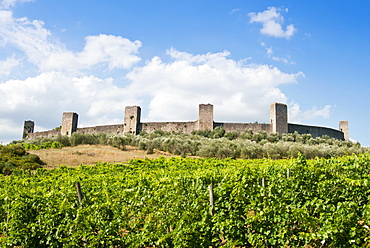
(273, 137)
(30, 146)
(14, 157)
(259, 136)
(218, 132)
(47, 145)
(56, 145)
(102, 139)
(63, 139)
(205, 133)
(83, 139)
(160, 132)
(117, 141)
(231, 135)
(248, 134)
(32, 158)
(142, 145)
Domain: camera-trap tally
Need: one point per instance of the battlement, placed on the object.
(343, 127)
(69, 123)
(279, 118)
(28, 128)
(131, 120)
(205, 117)
(132, 124)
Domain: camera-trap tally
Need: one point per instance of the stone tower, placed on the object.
(131, 119)
(343, 126)
(279, 118)
(69, 123)
(28, 128)
(205, 117)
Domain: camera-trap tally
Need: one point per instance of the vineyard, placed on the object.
(169, 203)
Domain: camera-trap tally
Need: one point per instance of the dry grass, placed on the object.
(91, 154)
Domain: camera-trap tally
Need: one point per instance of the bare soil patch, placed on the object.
(91, 154)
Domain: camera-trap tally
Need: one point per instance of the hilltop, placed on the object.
(88, 149)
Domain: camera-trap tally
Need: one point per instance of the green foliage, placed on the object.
(205, 133)
(262, 135)
(218, 132)
(216, 143)
(117, 141)
(247, 145)
(248, 134)
(231, 135)
(63, 139)
(46, 145)
(83, 139)
(165, 203)
(13, 157)
(58, 128)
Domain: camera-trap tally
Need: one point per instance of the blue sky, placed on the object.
(96, 57)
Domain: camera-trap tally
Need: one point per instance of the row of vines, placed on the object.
(166, 203)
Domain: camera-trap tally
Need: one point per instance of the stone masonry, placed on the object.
(279, 118)
(28, 128)
(205, 117)
(69, 123)
(132, 124)
(343, 126)
(131, 119)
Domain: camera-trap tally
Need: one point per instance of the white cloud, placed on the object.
(298, 116)
(7, 65)
(234, 11)
(238, 92)
(6, 4)
(116, 51)
(43, 98)
(272, 21)
(28, 36)
(49, 54)
(270, 54)
(10, 130)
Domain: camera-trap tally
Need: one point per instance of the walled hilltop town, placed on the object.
(131, 124)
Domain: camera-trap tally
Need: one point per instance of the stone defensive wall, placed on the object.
(113, 129)
(177, 127)
(43, 134)
(241, 127)
(315, 131)
(132, 124)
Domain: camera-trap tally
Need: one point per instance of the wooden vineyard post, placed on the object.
(79, 193)
(211, 200)
(288, 173)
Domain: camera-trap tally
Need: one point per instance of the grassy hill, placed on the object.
(91, 154)
(91, 148)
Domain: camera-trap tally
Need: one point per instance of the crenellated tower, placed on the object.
(131, 119)
(279, 118)
(205, 117)
(28, 127)
(343, 126)
(69, 123)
